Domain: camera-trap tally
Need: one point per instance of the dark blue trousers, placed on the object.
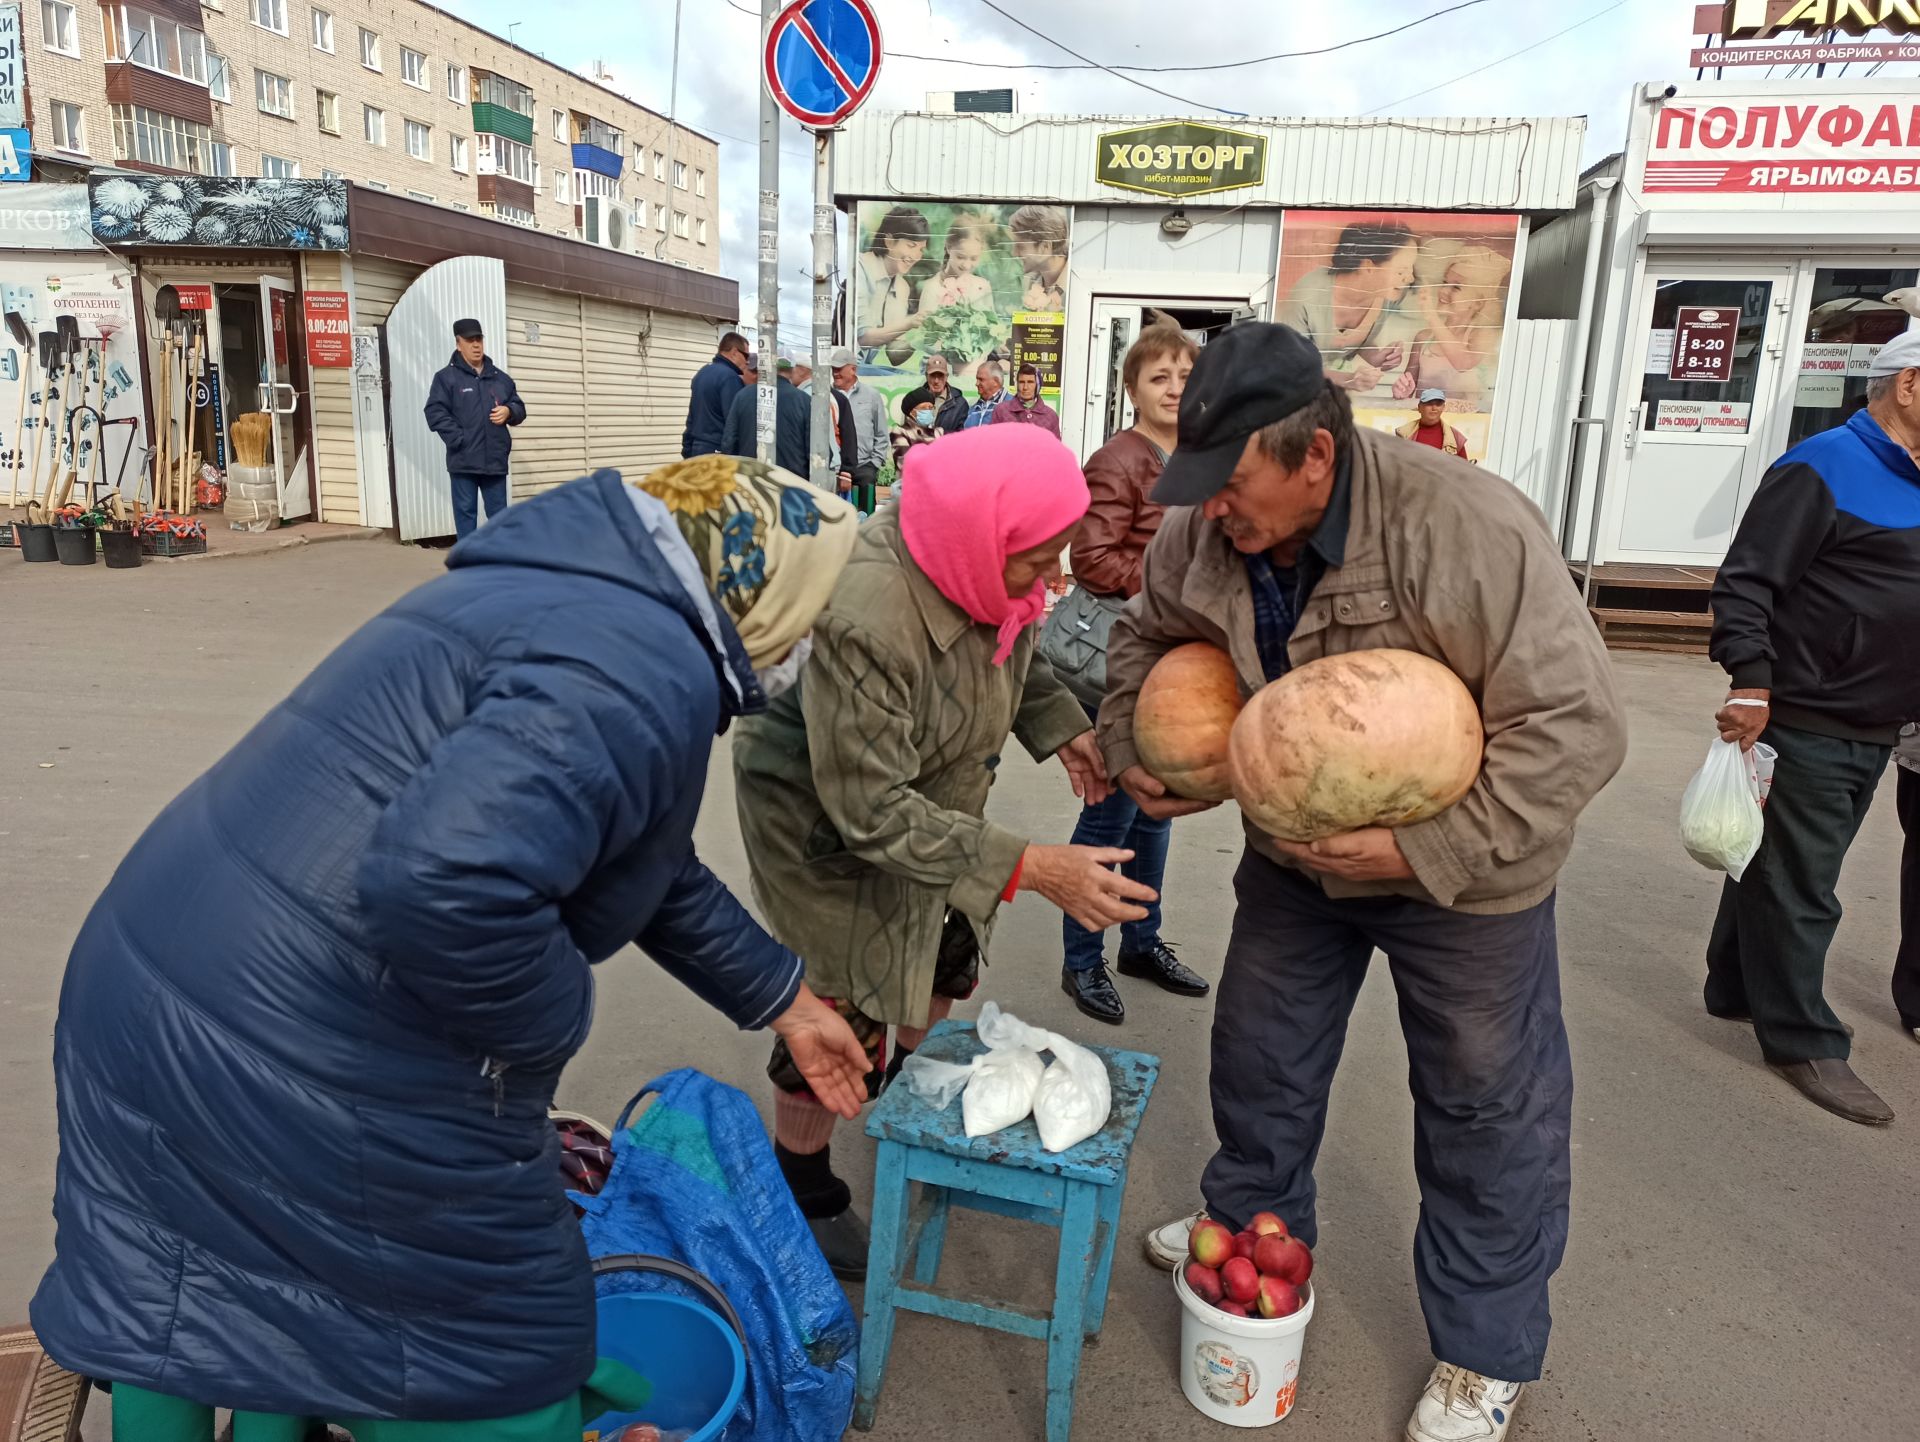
(1118, 822)
(1488, 1066)
(467, 492)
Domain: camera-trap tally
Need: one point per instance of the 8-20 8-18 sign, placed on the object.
(1703, 344)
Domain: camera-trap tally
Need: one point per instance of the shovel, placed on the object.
(49, 351)
(68, 340)
(23, 338)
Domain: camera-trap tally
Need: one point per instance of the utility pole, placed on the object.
(822, 473)
(769, 340)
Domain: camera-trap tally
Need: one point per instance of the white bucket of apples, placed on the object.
(1245, 1303)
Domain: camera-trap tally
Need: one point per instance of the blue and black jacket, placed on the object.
(1819, 597)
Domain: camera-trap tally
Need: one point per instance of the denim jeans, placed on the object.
(467, 491)
(1118, 822)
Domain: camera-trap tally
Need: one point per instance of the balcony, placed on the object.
(492, 119)
(502, 190)
(130, 84)
(598, 160)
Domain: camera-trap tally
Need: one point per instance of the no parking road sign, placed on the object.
(823, 57)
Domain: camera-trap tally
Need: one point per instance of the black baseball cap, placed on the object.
(1247, 377)
(467, 330)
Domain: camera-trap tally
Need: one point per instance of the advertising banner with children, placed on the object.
(1400, 304)
(963, 280)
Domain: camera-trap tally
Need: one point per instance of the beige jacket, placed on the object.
(863, 795)
(1458, 565)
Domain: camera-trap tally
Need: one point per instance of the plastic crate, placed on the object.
(163, 543)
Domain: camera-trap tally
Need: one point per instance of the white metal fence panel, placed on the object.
(1531, 415)
(419, 341)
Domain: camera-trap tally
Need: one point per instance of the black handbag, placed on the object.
(1074, 642)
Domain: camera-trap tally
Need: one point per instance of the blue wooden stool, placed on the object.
(1008, 1173)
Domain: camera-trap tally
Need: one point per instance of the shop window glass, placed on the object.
(1847, 323)
(1749, 299)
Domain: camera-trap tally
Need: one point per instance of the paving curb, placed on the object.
(356, 533)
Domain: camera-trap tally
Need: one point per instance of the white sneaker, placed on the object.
(1463, 1406)
(1167, 1246)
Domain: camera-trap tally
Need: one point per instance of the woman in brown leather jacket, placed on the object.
(1107, 552)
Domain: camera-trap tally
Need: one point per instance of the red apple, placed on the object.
(1204, 1283)
(1266, 1224)
(1233, 1308)
(1278, 1298)
(1284, 1257)
(1243, 1245)
(1211, 1244)
(1241, 1279)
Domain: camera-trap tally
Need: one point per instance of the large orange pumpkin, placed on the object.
(1369, 738)
(1183, 719)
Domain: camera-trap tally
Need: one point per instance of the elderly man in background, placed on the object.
(869, 410)
(1293, 536)
(1816, 619)
(1431, 429)
(990, 388)
(948, 405)
(792, 422)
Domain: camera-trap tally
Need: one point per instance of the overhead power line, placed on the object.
(1058, 45)
(1481, 69)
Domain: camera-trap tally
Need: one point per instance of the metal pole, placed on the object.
(673, 130)
(821, 469)
(769, 326)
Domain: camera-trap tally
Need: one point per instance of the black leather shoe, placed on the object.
(1092, 991)
(1160, 966)
(1829, 1082)
(842, 1240)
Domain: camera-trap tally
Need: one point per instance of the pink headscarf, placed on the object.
(970, 500)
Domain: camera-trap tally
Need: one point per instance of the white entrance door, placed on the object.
(1703, 367)
(279, 399)
(1117, 323)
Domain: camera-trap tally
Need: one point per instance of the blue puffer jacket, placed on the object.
(459, 410)
(309, 1033)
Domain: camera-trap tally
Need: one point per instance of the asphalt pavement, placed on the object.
(1741, 1264)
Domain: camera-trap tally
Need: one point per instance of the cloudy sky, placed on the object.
(1489, 57)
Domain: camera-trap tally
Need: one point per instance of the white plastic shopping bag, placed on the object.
(997, 1087)
(1720, 820)
(1075, 1096)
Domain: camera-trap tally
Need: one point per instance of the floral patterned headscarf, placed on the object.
(770, 545)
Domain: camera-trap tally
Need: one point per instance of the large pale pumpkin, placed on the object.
(1369, 738)
(1183, 719)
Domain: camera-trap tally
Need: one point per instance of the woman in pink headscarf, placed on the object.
(863, 791)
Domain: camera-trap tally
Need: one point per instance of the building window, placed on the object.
(501, 156)
(507, 94)
(560, 187)
(219, 158)
(660, 218)
(69, 125)
(274, 167)
(369, 49)
(273, 94)
(323, 31)
(457, 152)
(332, 175)
(538, 182)
(461, 205)
(558, 119)
(163, 140)
(219, 84)
(155, 43)
(373, 124)
(326, 106)
(680, 225)
(457, 84)
(701, 230)
(513, 215)
(700, 182)
(419, 140)
(58, 32)
(270, 15)
(420, 195)
(659, 165)
(377, 184)
(413, 68)
(679, 175)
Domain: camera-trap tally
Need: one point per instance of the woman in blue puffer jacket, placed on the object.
(309, 1034)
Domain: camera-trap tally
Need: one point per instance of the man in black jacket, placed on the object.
(1817, 621)
(792, 424)
(949, 406)
(469, 406)
(715, 385)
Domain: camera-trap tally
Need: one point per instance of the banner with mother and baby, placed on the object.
(965, 280)
(1400, 302)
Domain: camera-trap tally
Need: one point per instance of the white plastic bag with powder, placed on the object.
(1075, 1096)
(997, 1087)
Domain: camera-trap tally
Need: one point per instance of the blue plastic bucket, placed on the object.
(686, 1349)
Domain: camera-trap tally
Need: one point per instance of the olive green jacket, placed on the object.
(863, 792)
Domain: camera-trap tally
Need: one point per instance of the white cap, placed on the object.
(1900, 353)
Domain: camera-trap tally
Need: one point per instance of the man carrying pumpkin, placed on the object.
(1299, 537)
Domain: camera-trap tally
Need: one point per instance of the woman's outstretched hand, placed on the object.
(1082, 881)
(826, 1052)
(1086, 768)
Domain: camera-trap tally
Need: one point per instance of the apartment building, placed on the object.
(396, 95)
